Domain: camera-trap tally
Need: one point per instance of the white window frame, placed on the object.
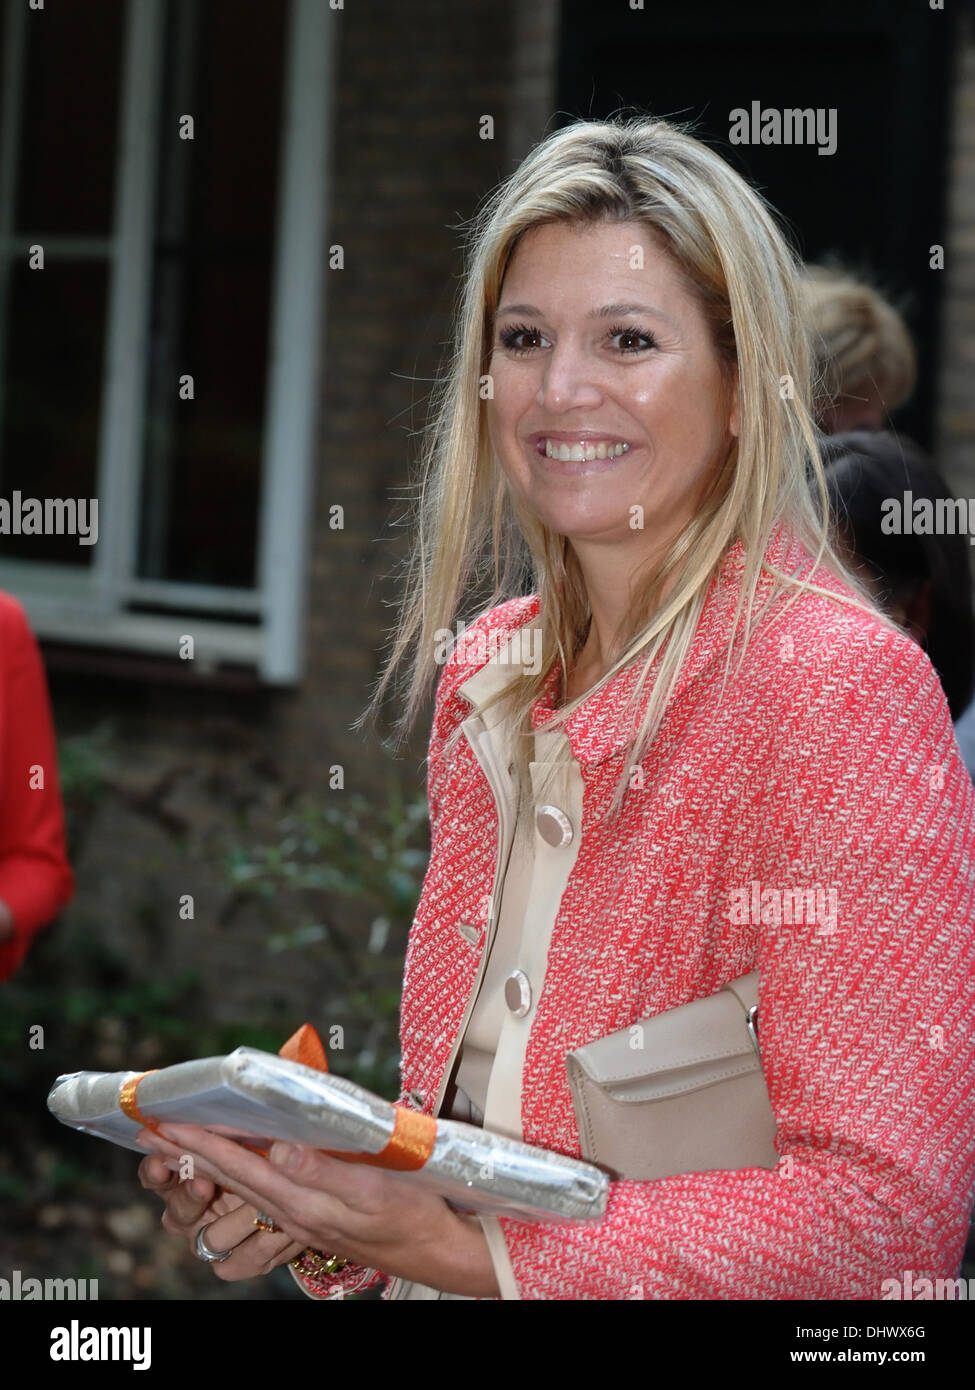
(87, 606)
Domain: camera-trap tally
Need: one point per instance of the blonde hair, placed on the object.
(860, 342)
(469, 530)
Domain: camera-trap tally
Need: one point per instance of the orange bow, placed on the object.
(407, 1149)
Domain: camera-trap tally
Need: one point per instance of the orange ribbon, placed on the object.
(407, 1149)
(127, 1103)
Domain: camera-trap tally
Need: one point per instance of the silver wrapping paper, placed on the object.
(257, 1097)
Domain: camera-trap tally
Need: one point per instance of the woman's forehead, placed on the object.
(627, 252)
(590, 235)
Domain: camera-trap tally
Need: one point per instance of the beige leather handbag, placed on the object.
(682, 1092)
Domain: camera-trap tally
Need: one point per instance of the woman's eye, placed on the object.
(510, 338)
(634, 339)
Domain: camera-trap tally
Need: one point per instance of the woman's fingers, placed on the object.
(184, 1212)
(226, 1219)
(303, 1214)
(224, 1202)
(246, 1173)
(252, 1251)
(186, 1202)
(257, 1256)
(227, 1232)
(155, 1175)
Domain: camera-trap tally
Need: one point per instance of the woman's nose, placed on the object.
(568, 379)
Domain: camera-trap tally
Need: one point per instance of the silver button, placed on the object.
(518, 993)
(468, 932)
(554, 826)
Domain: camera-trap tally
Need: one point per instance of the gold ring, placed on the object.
(263, 1222)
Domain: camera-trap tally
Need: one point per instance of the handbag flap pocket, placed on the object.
(680, 1092)
(697, 1044)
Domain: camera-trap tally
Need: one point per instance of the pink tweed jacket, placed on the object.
(830, 761)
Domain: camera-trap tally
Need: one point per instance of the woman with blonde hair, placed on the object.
(676, 695)
(864, 362)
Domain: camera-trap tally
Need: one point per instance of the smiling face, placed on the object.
(608, 391)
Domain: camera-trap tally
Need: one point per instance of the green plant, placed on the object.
(341, 879)
(85, 760)
(86, 764)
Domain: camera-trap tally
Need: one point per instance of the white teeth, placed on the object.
(583, 450)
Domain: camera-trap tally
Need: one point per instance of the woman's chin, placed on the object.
(608, 525)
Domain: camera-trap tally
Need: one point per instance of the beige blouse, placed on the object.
(486, 1076)
(475, 1070)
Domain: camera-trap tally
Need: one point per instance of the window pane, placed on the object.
(69, 129)
(52, 395)
(211, 291)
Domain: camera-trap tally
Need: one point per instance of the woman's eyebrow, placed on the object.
(606, 311)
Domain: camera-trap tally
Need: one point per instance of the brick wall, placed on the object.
(415, 82)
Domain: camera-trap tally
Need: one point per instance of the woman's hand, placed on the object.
(229, 1222)
(351, 1209)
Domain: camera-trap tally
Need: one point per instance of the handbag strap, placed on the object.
(745, 991)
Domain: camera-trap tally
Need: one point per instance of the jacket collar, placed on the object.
(605, 723)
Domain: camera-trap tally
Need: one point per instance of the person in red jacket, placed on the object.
(36, 880)
(706, 707)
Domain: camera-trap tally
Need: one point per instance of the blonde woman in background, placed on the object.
(864, 364)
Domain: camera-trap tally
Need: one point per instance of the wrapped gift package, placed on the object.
(256, 1097)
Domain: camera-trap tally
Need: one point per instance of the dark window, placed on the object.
(212, 291)
(54, 332)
